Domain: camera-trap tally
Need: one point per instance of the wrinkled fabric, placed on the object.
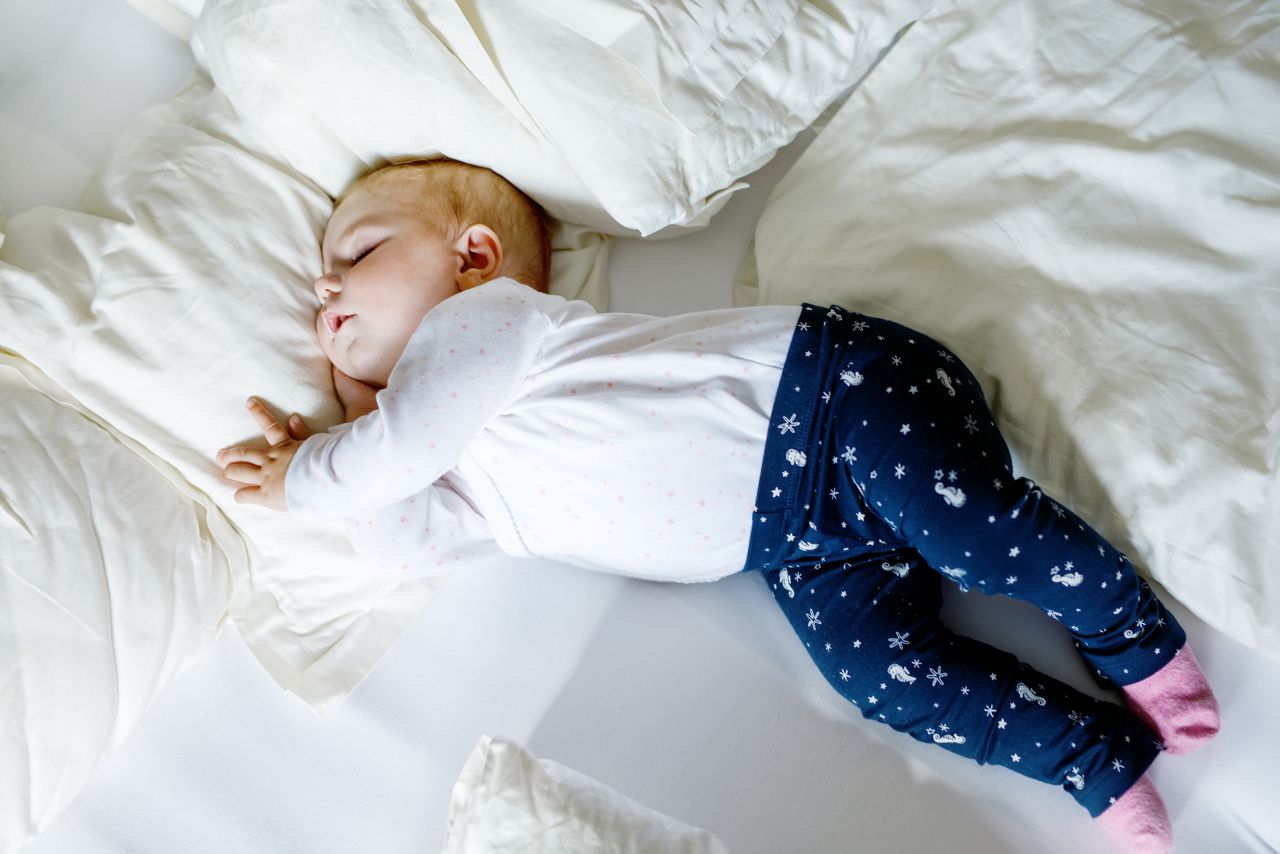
(96, 612)
(1083, 202)
(508, 800)
(624, 116)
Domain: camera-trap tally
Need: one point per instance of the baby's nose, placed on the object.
(327, 284)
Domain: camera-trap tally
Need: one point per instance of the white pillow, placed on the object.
(620, 115)
(508, 801)
(116, 575)
(183, 288)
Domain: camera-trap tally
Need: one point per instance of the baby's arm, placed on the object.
(459, 370)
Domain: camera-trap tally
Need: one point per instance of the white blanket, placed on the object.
(1084, 201)
(114, 576)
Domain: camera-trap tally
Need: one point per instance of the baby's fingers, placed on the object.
(271, 428)
(297, 429)
(251, 495)
(244, 473)
(241, 454)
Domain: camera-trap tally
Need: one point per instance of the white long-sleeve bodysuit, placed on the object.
(523, 421)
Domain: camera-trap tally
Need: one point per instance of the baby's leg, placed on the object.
(931, 464)
(877, 637)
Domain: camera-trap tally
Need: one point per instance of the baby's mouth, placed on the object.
(334, 321)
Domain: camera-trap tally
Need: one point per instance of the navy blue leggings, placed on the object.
(883, 474)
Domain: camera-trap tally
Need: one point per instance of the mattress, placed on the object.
(695, 700)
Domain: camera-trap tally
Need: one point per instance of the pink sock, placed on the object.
(1177, 703)
(1137, 821)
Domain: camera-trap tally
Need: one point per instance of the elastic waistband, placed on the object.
(790, 426)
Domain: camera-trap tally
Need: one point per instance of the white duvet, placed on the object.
(114, 574)
(183, 285)
(1083, 200)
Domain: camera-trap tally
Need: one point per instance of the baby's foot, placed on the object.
(1177, 703)
(1137, 821)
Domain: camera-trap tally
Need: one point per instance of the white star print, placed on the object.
(789, 424)
(899, 471)
(812, 617)
(899, 640)
(906, 428)
(1015, 551)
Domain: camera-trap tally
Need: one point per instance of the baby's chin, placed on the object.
(358, 369)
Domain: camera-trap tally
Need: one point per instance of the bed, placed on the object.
(981, 170)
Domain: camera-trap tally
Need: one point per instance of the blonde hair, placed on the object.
(460, 195)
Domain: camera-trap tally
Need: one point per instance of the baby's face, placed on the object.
(385, 268)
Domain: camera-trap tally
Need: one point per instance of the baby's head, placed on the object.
(406, 237)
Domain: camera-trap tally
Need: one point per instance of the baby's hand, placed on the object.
(357, 398)
(262, 470)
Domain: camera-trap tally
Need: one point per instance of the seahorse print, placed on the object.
(1070, 579)
(951, 494)
(785, 578)
(1027, 694)
(851, 378)
(899, 569)
(946, 381)
(897, 671)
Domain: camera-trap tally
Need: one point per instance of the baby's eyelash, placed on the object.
(363, 252)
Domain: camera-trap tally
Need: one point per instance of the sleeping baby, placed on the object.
(851, 460)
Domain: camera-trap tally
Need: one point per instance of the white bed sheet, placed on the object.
(696, 701)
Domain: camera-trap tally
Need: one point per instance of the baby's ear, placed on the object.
(479, 254)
